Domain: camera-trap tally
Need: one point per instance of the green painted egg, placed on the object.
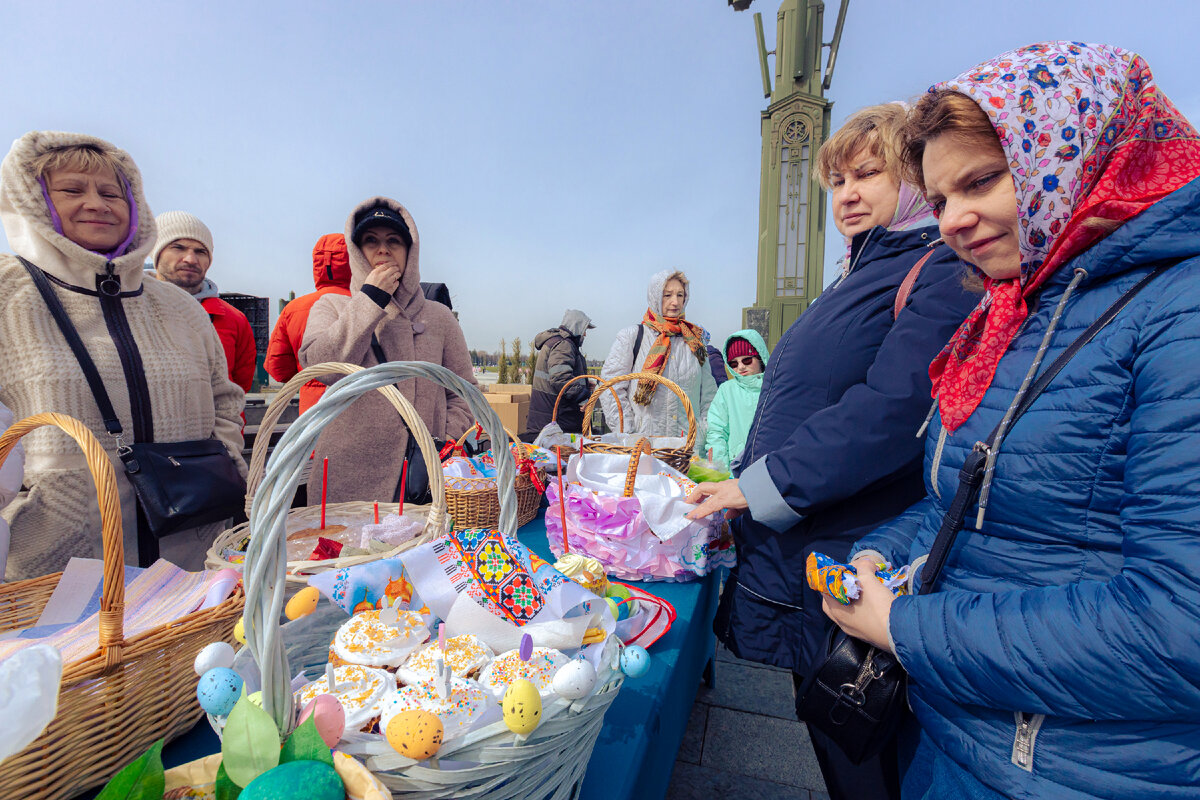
(296, 780)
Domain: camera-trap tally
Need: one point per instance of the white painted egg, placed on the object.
(575, 679)
(217, 654)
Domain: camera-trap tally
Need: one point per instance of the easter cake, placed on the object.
(368, 640)
(465, 655)
(538, 670)
(360, 690)
(458, 710)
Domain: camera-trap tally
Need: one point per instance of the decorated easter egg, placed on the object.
(296, 780)
(635, 661)
(303, 603)
(219, 690)
(522, 706)
(329, 717)
(239, 631)
(613, 607)
(415, 733)
(217, 654)
(575, 679)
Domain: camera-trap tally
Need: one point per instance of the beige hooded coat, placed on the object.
(191, 396)
(365, 444)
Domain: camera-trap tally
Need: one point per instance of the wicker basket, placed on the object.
(678, 457)
(472, 507)
(570, 451)
(549, 763)
(435, 513)
(113, 704)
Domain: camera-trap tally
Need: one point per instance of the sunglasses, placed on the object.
(744, 361)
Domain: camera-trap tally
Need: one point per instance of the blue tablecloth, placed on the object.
(635, 753)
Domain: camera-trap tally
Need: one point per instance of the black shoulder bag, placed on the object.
(856, 697)
(178, 484)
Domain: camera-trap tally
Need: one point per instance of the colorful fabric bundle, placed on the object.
(840, 581)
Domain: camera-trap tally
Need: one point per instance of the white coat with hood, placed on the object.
(191, 396)
(664, 416)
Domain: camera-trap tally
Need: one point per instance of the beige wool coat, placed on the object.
(365, 444)
(191, 396)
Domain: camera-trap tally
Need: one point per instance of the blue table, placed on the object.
(635, 753)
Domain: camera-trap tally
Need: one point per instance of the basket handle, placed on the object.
(586, 376)
(639, 376)
(512, 437)
(258, 455)
(266, 558)
(112, 596)
(635, 458)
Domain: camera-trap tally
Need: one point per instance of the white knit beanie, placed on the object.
(174, 225)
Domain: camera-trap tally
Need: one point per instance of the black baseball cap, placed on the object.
(381, 215)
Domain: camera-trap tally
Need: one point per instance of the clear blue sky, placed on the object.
(553, 154)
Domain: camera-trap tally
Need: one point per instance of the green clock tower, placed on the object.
(791, 213)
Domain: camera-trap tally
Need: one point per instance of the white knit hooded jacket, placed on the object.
(664, 416)
(191, 396)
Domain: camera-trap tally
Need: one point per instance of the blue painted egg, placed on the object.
(219, 690)
(296, 780)
(635, 661)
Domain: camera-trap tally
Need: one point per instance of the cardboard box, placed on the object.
(512, 415)
(516, 389)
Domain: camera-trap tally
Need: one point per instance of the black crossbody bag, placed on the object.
(178, 484)
(856, 697)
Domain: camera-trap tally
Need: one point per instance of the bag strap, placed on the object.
(637, 345)
(907, 284)
(970, 477)
(111, 423)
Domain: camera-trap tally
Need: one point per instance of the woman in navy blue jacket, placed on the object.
(1059, 654)
(832, 451)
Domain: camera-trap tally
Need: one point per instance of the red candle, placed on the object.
(376, 512)
(324, 488)
(403, 483)
(562, 503)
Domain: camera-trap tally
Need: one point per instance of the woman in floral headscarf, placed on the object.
(1057, 655)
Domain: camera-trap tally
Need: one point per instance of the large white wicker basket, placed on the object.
(490, 763)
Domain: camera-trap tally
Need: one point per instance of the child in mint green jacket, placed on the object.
(732, 410)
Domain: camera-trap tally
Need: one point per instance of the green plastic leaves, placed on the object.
(305, 744)
(142, 779)
(226, 789)
(249, 743)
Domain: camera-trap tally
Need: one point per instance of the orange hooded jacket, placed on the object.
(331, 275)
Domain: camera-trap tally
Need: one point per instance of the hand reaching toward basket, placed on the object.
(713, 497)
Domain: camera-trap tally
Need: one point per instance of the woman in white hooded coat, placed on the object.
(670, 346)
(88, 229)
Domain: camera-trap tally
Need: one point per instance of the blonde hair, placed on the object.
(87, 157)
(877, 129)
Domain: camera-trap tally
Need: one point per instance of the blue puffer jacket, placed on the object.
(832, 451)
(1074, 614)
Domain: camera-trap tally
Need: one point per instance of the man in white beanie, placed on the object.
(182, 256)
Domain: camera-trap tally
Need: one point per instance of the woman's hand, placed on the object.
(867, 617)
(715, 496)
(386, 278)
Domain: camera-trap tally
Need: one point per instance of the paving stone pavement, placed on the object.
(743, 741)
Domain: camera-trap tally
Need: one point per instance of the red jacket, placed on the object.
(331, 275)
(237, 338)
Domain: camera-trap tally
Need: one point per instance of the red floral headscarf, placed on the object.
(1088, 135)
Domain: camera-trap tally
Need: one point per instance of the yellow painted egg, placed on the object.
(255, 698)
(239, 631)
(415, 733)
(522, 706)
(303, 603)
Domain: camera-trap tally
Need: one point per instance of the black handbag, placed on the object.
(857, 696)
(178, 484)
